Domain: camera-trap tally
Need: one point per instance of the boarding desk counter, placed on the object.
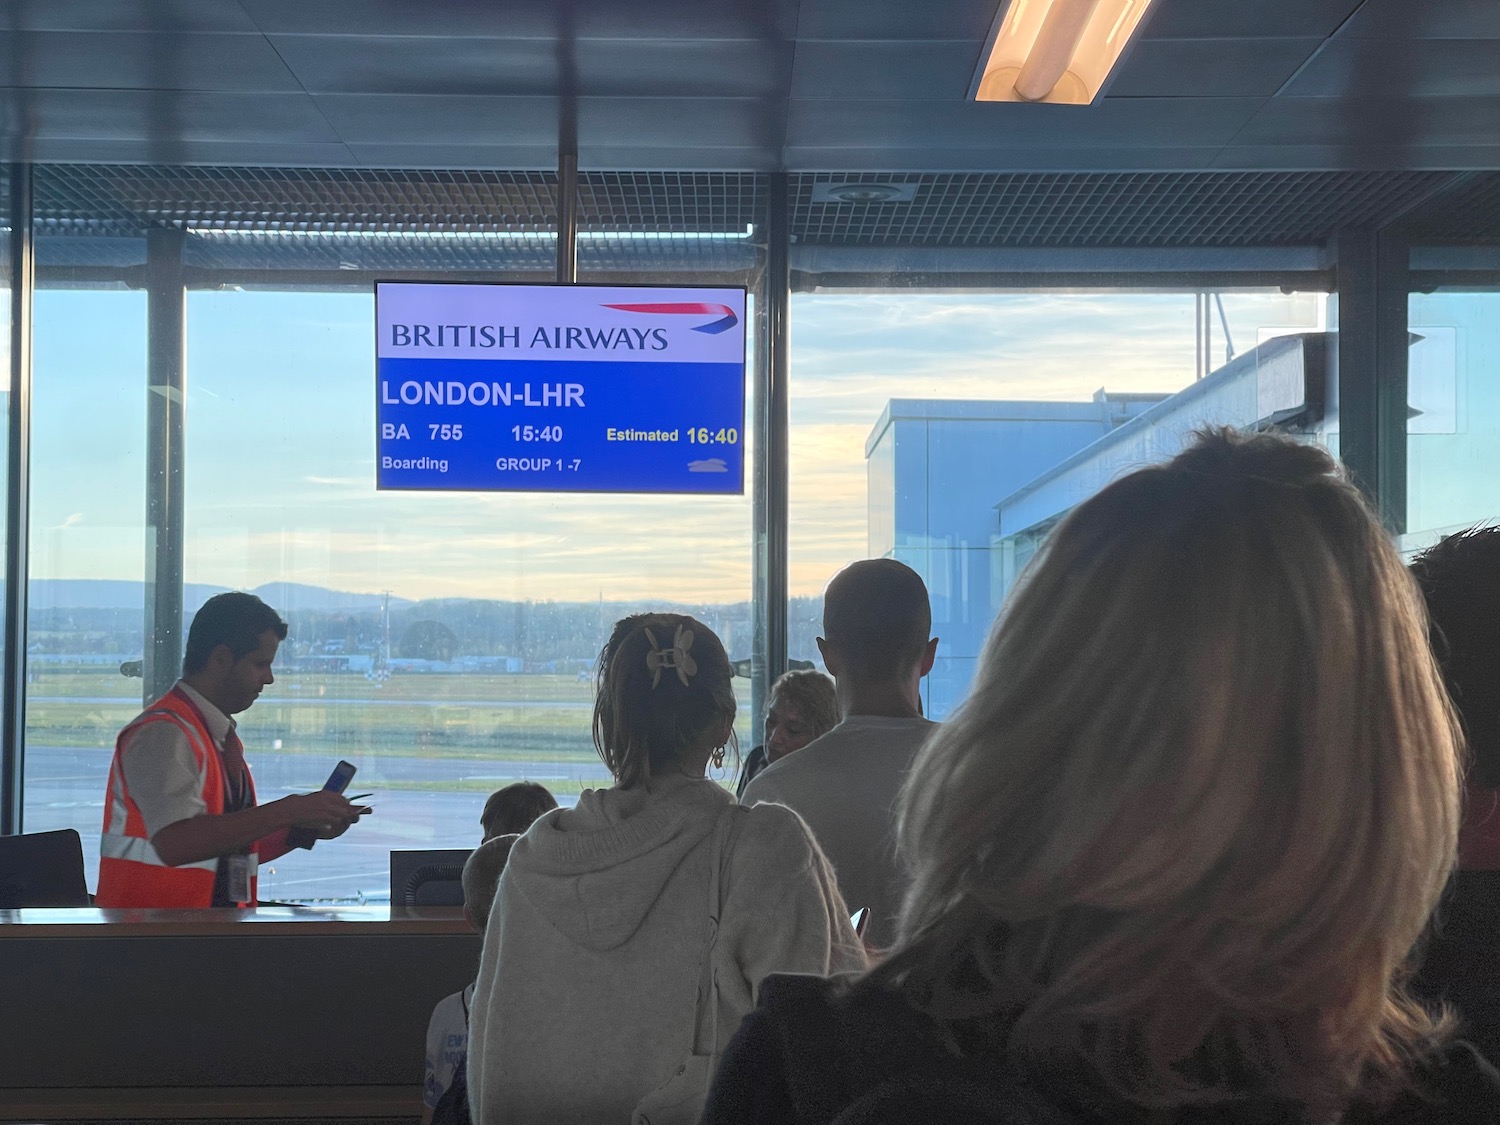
(274, 1013)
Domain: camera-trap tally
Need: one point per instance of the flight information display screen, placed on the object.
(559, 388)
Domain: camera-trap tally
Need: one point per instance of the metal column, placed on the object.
(18, 464)
(166, 363)
(567, 218)
(1371, 358)
(777, 423)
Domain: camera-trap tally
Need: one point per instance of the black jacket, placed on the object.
(815, 1054)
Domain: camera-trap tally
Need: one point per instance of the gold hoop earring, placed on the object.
(718, 757)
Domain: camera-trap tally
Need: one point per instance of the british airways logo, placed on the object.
(726, 318)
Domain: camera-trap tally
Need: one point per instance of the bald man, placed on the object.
(876, 645)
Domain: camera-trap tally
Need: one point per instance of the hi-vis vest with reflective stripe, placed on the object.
(130, 872)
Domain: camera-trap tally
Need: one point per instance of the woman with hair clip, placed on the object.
(1169, 859)
(629, 934)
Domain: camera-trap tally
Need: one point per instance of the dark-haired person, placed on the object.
(1171, 855)
(631, 931)
(876, 621)
(181, 824)
(803, 707)
(512, 809)
(1460, 580)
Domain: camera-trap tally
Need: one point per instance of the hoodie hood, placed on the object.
(595, 871)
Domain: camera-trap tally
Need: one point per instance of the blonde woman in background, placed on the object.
(802, 709)
(1169, 859)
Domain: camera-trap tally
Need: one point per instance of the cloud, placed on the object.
(281, 457)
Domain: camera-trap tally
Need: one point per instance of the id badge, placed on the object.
(241, 876)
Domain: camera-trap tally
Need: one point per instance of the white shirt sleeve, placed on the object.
(161, 773)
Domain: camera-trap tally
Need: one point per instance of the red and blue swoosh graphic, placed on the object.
(726, 321)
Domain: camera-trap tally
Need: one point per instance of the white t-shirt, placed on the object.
(844, 786)
(161, 770)
(447, 1040)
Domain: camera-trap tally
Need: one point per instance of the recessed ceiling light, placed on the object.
(864, 193)
(1055, 51)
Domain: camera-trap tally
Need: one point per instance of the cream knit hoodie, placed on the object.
(588, 980)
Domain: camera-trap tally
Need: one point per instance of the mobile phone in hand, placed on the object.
(337, 782)
(342, 775)
(859, 919)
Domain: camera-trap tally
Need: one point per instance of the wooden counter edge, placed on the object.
(258, 1102)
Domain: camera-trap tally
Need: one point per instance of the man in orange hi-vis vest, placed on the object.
(181, 825)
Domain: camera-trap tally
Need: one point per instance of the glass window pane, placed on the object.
(1453, 428)
(915, 415)
(87, 550)
(442, 642)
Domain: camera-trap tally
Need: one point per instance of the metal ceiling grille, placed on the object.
(350, 219)
(1467, 215)
(353, 219)
(1114, 209)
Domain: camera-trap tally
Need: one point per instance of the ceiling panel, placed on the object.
(1426, 19)
(923, 70)
(435, 119)
(738, 85)
(163, 116)
(367, 64)
(864, 19)
(1385, 122)
(143, 60)
(1210, 68)
(519, 19)
(126, 15)
(1121, 123)
(1423, 68)
(689, 122)
(1259, 19)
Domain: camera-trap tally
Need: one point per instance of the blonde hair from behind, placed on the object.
(481, 877)
(1201, 800)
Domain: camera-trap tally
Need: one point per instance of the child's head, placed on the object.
(664, 696)
(513, 808)
(481, 878)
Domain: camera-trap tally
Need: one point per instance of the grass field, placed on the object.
(536, 718)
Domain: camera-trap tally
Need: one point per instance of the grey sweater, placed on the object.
(588, 980)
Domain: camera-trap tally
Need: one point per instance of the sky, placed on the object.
(280, 441)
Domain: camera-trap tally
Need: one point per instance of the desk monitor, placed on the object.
(559, 388)
(428, 878)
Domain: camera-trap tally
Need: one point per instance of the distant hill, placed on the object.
(292, 597)
(106, 593)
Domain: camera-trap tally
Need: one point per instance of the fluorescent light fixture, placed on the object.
(1056, 51)
(482, 235)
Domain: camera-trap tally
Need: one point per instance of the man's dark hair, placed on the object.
(237, 620)
(1460, 578)
(512, 809)
(876, 615)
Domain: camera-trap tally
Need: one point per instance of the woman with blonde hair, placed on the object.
(801, 709)
(1169, 859)
(629, 933)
